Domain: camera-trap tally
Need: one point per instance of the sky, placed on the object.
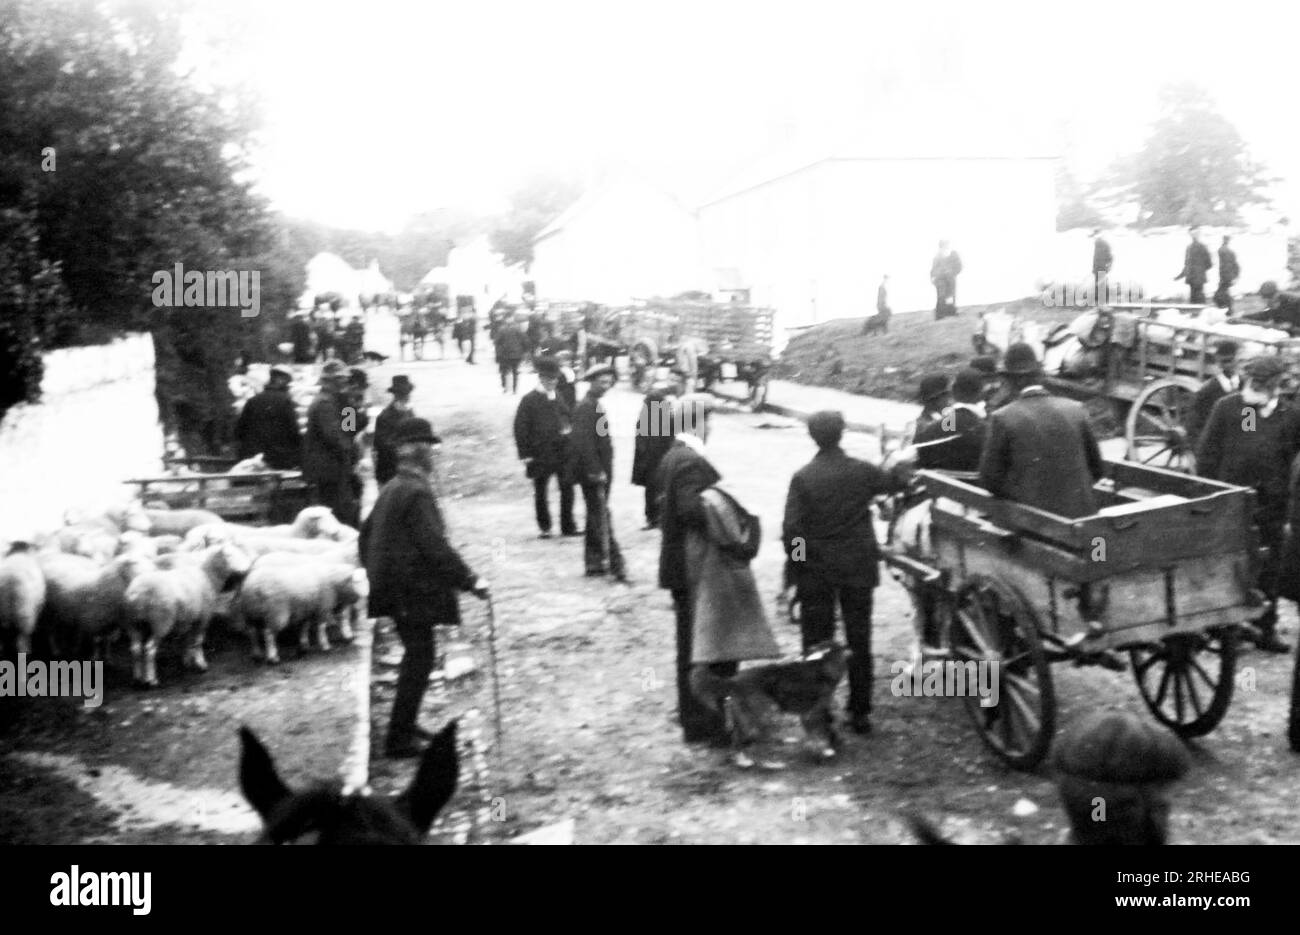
(377, 110)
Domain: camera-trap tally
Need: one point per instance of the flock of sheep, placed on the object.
(154, 574)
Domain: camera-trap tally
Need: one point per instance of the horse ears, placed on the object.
(434, 782)
(258, 780)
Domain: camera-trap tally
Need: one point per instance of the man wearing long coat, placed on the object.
(329, 444)
(1196, 268)
(943, 273)
(543, 425)
(1229, 271)
(268, 425)
(415, 576)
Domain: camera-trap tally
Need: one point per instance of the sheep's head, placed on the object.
(129, 517)
(232, 561)
(317, 522)
(206, 536)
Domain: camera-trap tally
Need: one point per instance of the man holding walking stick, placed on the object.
(415, 576)
(591, 464)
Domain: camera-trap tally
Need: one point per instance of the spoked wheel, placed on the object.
(1187, 679)
(992, 624)
(1154, 427)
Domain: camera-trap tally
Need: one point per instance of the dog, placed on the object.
(323, 814)
(804, 687)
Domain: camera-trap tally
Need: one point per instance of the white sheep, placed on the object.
(255, 542)
(84, 599)
(181, 599)
(285, 589)
(178, 522)
(22, 597)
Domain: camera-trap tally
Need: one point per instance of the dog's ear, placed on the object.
(261, 785)
(434, 781)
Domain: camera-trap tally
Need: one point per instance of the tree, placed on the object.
(1073, 207)
(1194, 167)
(533, 205)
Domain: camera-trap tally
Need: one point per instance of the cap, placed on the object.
(1266, 368)
(1118, 747)
(547, 366)
(968, 385)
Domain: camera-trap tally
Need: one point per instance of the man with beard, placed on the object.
(1251, 439)
(415, 576)
(268, 425)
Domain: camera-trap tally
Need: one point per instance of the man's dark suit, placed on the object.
(1211, 392)
(962, 453)
(1196, 264)
(415, 578)
(1041, 452)
(943, 273)
(386, 425)
(542, 428)
(830, 540)
(682, 475)
(328, 453)
(591, 453)
(268, 425)
(1229, 270)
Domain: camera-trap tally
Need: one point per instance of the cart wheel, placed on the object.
(1154, 427)
(1187, 679)
(758, 394)
(991, 623)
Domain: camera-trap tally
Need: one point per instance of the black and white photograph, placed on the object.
(594, 423)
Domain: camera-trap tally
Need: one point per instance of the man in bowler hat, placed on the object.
(543, 426)
(268, 425)
(387, 424)
(415, 576)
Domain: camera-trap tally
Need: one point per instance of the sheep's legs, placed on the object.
(137, 659)
(272, 650)
(151, 661)
(322, 638)
(345, 624)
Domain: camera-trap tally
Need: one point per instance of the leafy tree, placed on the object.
(533, 205)
(1193, 169)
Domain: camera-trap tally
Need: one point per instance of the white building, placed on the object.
(622, 240)
(812, 235)
(328, 272)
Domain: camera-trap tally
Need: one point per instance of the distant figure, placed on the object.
(1102, 259)
(654, 436)
(879, 322)
(511, 349)
(268, 424)
(1229, 270)
(300, 335)
(943, 273)
(1196, 267)
(465, 332)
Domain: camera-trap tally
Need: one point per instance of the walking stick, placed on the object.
(496, 680)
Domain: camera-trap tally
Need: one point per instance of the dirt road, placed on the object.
(587, 675)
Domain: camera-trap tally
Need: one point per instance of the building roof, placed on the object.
(595, 195)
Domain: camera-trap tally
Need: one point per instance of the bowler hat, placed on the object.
(600, 370)
(401, 385)
(1020, 360)
(416, 430)
(968, 385)
(547, 366)
(278, 374)
(1225, 350)
(1118, 747)
(334, 370)
(933, 385)
(988, 366)
(1268, 289)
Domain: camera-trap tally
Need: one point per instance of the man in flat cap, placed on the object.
(329, 445)
(268, 425)
(1251, 439)
(543, 426)
(833, 557)
(1283, 309)
(415, 576)
(1114, 770)
(591, 464)
(1040, 449)
(386, 425)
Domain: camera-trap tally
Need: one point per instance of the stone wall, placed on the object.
(96, 425)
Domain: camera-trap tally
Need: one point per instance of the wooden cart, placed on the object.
(257, 499)
(1151, 377)
(1162, 572)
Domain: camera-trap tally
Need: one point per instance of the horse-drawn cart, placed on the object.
(1162, 572)
(257, 498)
(1149, 360)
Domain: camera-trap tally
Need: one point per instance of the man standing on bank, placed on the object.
(943, 273)
(1229, 270)
(1102, 260)
(415, 576)
(543, 425)
(591, 464)
(386, 426)
(1196, 267)
(830, 541)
